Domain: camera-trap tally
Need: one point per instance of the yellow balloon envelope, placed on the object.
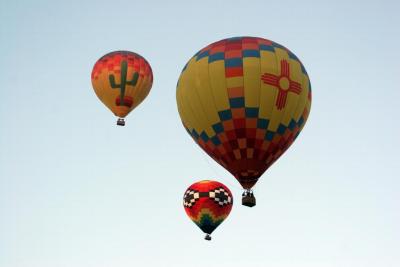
(122, 80)
(244, 100)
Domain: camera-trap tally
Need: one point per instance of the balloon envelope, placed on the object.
(122, 80)
(244, 100)
(207, 203)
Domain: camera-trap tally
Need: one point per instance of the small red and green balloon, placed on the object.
(207, 203)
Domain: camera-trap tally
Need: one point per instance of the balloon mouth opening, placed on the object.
(121, 122)
(248, 198)
(247, 171)
(247, 182)
(121, 111)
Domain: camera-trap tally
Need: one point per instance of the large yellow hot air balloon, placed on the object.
(244, 100)
(122, 80)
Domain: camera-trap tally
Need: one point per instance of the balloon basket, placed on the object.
(121, 122)
(208, 237)
(248, 199)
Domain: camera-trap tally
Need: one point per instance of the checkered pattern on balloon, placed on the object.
(207, 203)
(244, 101)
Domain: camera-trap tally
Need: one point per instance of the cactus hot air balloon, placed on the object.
(122, 80)
(244, 100)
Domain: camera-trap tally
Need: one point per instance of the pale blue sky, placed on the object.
(78, 191)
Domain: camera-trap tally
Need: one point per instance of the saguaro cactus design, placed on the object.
(122, 80)
(121, 86)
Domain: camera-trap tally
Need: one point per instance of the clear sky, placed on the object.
(78, 191)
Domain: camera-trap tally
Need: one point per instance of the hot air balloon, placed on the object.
(122, 80)
(244, 100)
(207, 203)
